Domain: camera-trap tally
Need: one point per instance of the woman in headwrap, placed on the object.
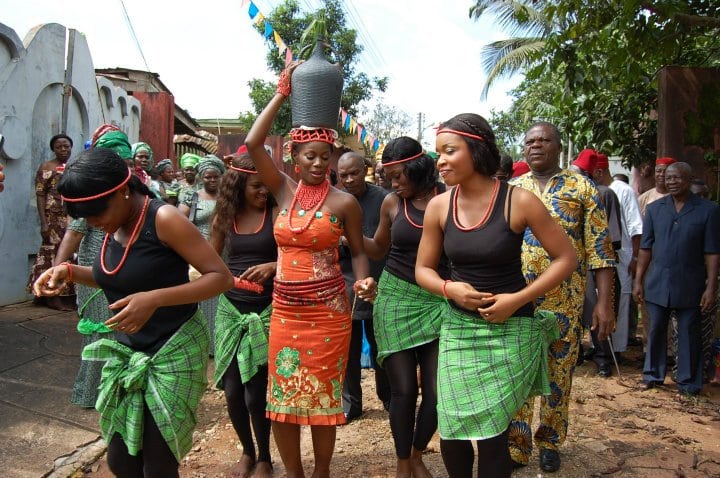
(92, 305)
(199, 208)
(156, 367)
(143, 160)
(407, 318)
(493, 345)
(188, 165)
(243, 226)
(52, 219)
(310, 323)
(167, 186)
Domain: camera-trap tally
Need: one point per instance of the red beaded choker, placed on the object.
(310, 199)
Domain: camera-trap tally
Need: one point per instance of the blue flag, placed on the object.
(253, 10)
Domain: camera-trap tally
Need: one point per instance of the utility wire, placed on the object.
(132, 32)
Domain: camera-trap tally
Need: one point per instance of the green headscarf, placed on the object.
(163, 165)
(189, 160)
(138, 147)
(117, 141)
(211, 162)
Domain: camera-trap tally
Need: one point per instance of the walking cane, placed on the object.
(612, 352)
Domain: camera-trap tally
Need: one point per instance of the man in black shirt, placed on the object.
(352, 170)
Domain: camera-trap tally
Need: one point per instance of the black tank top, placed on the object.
(245, 251)
(150, 265)
(488, 258)
(405, 239)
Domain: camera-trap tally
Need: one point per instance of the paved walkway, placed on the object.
(40, 430)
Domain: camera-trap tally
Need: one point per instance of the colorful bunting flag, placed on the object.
(253, 10)
(376, 145)
(268, 29)
(259, 19)
(288, 56)
(279, 43)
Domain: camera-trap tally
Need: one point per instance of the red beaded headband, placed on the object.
(301, 135)
(97, 196)
(243, 170)
(461, 133)
(398, 161)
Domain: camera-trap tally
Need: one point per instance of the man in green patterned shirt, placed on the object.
(574, 202)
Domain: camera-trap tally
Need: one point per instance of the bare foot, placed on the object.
(418, 466)
(404, 470)
(263, 469)
(242, 468)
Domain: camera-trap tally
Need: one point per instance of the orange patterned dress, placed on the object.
(310, 323)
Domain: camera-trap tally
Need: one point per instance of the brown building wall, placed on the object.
(158, 123)
(688, 121)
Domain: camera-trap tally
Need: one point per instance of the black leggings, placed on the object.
(154, 460)
(493, 457)
(247, 402)
(401, 369)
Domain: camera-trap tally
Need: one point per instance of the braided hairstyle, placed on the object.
(95, 171)
(485, 154)
(421, 172)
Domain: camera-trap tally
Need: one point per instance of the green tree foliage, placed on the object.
(596, 75)
(386, 122)
(290, 23)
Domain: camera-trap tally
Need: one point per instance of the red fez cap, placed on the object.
(520, 168)
(242, 150)
(666, 161)
(602, 162)
(586, 160)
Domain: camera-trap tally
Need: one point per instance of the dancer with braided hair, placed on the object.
(310, 322)
(156, 370)
(493, 345)
(243, 226)
(407, 317)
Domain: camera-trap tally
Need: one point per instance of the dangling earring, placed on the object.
(297, 169)
(127, 196)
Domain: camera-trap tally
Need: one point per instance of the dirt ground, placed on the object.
(616, 429)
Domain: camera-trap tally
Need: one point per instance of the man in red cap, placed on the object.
(585, 164)
(659, 191)
(520, 168)
(627, 255)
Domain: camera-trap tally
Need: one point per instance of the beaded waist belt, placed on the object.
(308, 292)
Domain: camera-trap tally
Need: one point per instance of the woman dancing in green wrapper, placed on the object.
(493, 345)
(156, 367)
(243, 226)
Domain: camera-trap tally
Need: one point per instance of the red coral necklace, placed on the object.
(262, 223)
(310, 199)
(133, 237)
(489, 209)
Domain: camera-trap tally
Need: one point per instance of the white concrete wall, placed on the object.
(32, 73)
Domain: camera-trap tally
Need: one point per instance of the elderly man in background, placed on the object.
(627, 255)
(352, 170)
(678, 271)
(574, 202)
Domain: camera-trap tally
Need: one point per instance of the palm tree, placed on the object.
(529, 28)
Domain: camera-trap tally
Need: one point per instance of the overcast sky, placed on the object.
(205, 52)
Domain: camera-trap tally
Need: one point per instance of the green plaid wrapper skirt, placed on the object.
(171, 382)
(241, 335)
(486, 371)
(404, 315)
